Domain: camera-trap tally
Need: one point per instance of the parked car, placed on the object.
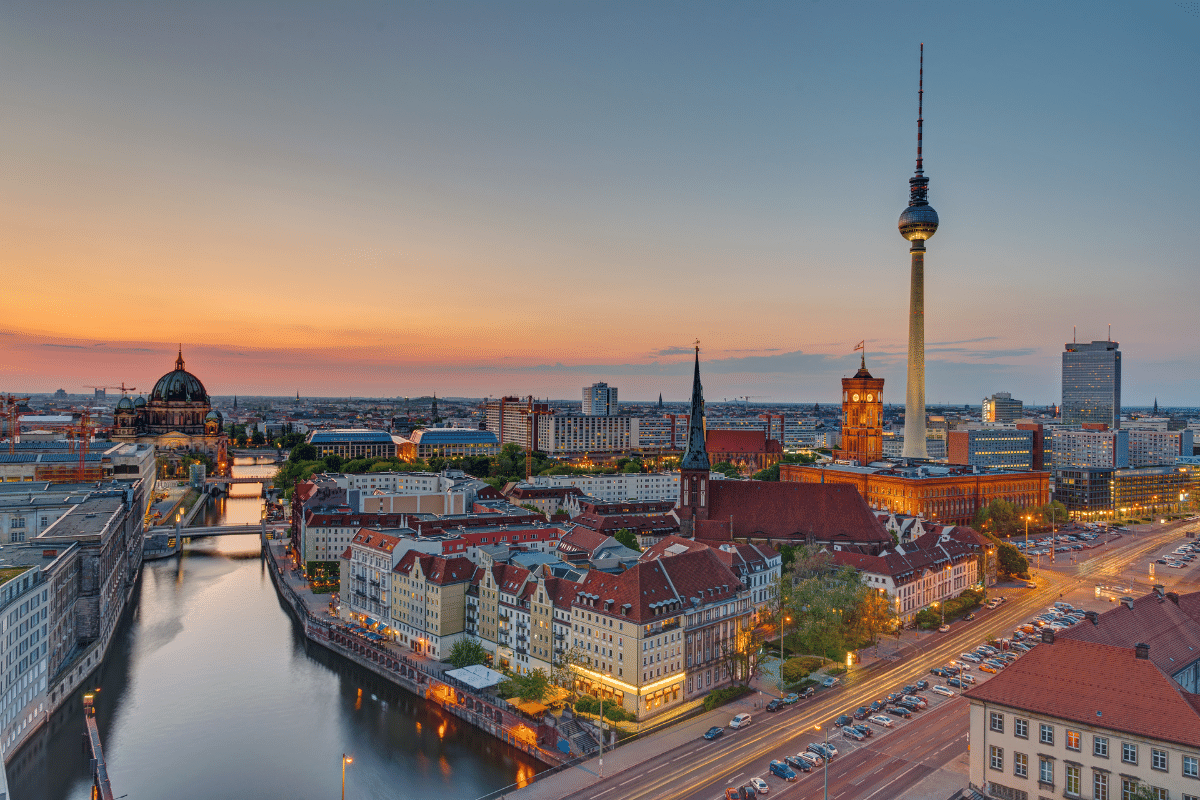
(942, 690)
(790, 699)
(944, 629)
(880, 720)
(850, 733)
(967, 679)
(807, 692)
(911, 706)
(899, 711)
(713, 732)
(732, 794)
(796, 762)
(877, 705)
(941, 673)
(760, 785)
(774, 705)
(862, 712)
(844, 719)
(989, 668)
(740, 721)
(831, 682)
(782, 770)
(922, 684)
(974, 659)
(957, 684)
(912, 698)
(970, 616)
(865, 730)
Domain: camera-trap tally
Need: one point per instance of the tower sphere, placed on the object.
(918, 222)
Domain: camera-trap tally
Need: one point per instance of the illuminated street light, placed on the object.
(345, 760)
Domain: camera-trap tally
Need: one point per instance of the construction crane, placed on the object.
(124, 389)
(746, 398)
(11, 406)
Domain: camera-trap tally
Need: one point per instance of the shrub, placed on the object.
(800, 667)
(719, 697)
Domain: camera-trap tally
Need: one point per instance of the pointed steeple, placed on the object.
(696, 456)
(660, 405)
(1156, 406)
(179, 359)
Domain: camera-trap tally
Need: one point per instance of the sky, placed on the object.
(486, 198)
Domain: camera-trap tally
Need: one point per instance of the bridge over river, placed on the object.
(167, 540)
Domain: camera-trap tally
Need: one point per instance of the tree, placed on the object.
(563, 672)
(741, 651)
(627, 538)
(872, 615)
(467, 653)
(333, 462)
(999, 518)
(1011, 561)
(534, 686)
(727, 469)
(771, 473)
(258, 440)
(303, 452)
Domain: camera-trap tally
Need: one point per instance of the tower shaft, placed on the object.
(914, 399)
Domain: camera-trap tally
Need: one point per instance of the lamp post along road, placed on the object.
(345, 760)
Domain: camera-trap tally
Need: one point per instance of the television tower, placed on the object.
(918, 222)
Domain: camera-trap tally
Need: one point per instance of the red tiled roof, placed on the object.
(1096, 684)
(651, 589)
(663, 548)
(1172, 630)
(788, 510)
(509, 577)
(744, 441)
(562, 591)
(376, 541)
(582, 540)
(611, 523)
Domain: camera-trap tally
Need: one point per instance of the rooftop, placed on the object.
(349, 435)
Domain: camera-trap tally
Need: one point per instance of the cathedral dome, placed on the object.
(139, 403)
(125, 404)
(214, 414)
(179, 386)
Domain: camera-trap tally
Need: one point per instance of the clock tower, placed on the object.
(862, 418)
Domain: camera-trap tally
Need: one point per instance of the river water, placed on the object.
(210, 690)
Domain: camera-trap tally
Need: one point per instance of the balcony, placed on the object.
(521, 651)
(560, 636)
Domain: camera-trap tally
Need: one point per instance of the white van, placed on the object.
(740, 721)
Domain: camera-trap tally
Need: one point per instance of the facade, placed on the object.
(1000, 448)
(1082, 719)
(448, 443)
(1085, 492)
(1090, 448)
(177, 416)
(757, 567)
(946, 494)
(654, 635)
(862, 418)
(1149, 448)
(749, 450)
(350, 443)
(1097, 493)
(366, 583)
(560, 434)
(1001, 407)
(599, 399)
(932, 569)
(514, 420)
(618, 487)
(429, 602)
(1091, 383)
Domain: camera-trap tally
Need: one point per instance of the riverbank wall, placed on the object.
(538, 738)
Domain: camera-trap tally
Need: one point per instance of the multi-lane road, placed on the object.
(887, 764)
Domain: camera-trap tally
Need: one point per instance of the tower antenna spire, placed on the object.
(920, 108)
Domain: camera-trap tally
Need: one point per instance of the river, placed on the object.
(210, 690)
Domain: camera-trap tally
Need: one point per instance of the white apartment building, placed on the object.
(600, 399)
(366, 579)
(1150, 448)
(578, 433)
(618, 488)
(1084, 448)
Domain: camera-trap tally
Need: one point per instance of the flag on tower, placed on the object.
(861, 345)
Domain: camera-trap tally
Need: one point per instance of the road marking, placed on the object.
(685, 755)
(735, 777)
(606, 791)
(660, 766)
(631, 780)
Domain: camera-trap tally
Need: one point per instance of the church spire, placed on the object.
(696, 456)
(179, 358)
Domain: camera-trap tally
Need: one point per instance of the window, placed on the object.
(1128, 753)
(997, 757)
(1046, 771)
(1047, 734)
(1099, 786)
(1020, 765)
(1158, 760)
(997, 722)
(1072, 782)
(1021, 728)
(1191, 767)
(1100, 746)
(1072, 740)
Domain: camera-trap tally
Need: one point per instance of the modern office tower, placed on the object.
(1091, 383)
(600, 400)
(917, 223)
(1001, 407)
(514, 419)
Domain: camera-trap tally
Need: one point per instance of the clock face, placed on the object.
(869, 398)
(854, 397)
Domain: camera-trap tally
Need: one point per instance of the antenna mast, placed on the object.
(920, 108)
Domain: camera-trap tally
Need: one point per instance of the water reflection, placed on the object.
(211, 690)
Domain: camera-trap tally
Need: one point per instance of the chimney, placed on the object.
(1158, 590)
(1127, 601)
(1093, 616)
(1142, 651)
(1173, 597)
(1047, 635)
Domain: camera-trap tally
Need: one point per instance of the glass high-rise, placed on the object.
(1091, 383)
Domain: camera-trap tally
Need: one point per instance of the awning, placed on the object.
(371, 623)
(477, 676)
(530, 707)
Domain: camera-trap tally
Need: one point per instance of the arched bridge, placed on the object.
(217, 481)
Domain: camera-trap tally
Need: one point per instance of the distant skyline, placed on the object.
(476, 198)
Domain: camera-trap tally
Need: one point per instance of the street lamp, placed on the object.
(782, 619)
(345, 760)
(826, 754)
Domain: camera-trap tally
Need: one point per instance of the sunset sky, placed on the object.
(491, 197)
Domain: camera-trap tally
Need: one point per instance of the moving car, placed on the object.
(713, 732)
(831, 682)
(732, 794)
(807, 692)
(740, 721)
(747, 793)
(944, 629)
(782, 770)
(880, 719)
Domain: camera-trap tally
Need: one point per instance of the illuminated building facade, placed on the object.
(862, 418)
(1091, 383)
